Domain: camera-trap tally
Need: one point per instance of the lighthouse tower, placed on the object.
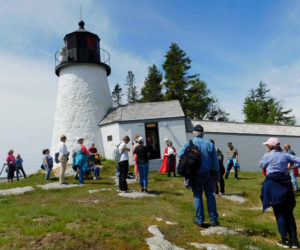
(83, 96)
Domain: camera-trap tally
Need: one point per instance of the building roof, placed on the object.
(144, 111)
(244, 128)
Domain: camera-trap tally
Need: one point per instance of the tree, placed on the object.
(151, 92)
(176, 69)
(215, 113)
(260, 107)
(198, 99)
(192, 93)
(132, 94)
(116, 95)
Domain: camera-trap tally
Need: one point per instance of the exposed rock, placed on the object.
(99, 190)
(167, 222)
(69, 171)
(21, 190)
(234, 197)
(137, 195)
(261, 209)
(217, 230)
(211, 246)
(56, 185)
(158, 242)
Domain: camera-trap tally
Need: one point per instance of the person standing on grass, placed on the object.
(80, 158)
(124, 164)
(19, 166)
(47, 163)
(232, 160)
(222, 171)
(63, 158)
(287, 149)
(169, 160)
(277, 190)
(134, 145)
(204, 180)
(11, 165)
(142, 154)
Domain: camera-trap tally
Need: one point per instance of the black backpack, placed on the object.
(190, 161)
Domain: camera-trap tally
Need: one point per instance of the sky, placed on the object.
(233, 45)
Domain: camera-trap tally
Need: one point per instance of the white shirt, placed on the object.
(170, 151)
(62, 149)
(77, 148)
(124, 154)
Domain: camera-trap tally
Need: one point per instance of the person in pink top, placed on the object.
(134, 145)
(11, 165)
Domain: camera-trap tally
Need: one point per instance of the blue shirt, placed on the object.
(19, 162)
(209, 159)
(277, 161)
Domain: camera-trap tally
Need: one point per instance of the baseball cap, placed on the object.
(141, 139)
(272, 141)
(198, 128)
(79, 139)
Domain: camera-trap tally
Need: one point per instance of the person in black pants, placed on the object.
(222, 171)
(124, 164)
(277, 191)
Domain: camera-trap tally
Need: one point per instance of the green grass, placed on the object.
(70, 219)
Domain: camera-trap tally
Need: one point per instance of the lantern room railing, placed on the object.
(82, 55)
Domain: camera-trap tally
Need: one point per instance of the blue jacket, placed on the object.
(277, 188)
(209, 159)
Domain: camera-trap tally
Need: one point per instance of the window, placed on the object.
(109, 138)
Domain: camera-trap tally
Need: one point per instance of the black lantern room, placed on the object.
(81, 46)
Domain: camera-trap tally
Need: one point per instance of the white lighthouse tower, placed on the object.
(83, 96)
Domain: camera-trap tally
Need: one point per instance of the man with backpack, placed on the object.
(204, 179)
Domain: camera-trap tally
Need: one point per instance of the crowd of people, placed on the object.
(280, 168)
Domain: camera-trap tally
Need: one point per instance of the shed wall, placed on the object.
(250, 147)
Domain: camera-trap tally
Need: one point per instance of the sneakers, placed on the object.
(295, 246)
(282, 244)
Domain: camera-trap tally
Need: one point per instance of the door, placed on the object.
(152, 140)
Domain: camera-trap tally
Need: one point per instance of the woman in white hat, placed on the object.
(277, 190)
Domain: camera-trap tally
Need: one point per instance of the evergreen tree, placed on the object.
(260, 107)
(215, 113)
(132, 93)
(116, 95)
(151, 92)
(198, 99)
(176, 69)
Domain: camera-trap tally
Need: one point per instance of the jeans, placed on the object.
(48, 171)
(96, 171)
(294, 179)
(230, 165)
(124, 165)
(286, 222)
(204, 182)
(143, 171)
(18, 169)
(81, 174)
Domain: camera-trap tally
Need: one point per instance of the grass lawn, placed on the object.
(75, 219)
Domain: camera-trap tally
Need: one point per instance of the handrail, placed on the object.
(82, 55)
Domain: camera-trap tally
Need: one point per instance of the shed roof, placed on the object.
(144, 111)
(244, 128)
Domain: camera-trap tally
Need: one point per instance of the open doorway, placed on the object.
(152, 140)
